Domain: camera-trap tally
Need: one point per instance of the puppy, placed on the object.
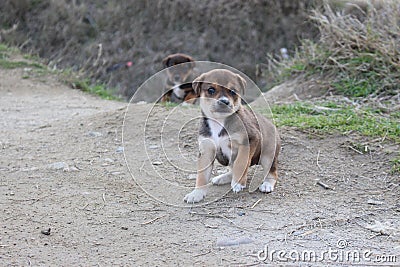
(234, 135)
(178, 86)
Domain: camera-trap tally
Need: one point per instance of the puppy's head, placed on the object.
(219, 92)
(178, 74)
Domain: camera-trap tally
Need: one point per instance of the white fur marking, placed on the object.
(220, 141)
(195, 196)
(236, 187)
(222, 179)
(267, 186)
(215, 128)
(178, 91)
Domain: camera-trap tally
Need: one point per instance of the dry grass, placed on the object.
(89, 36)
(358, 54)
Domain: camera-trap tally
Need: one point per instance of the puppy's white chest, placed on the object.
(220, 137)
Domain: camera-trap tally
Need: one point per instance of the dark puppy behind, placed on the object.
(178, 87)
(234, 135)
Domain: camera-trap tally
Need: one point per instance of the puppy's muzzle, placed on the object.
(223, 105)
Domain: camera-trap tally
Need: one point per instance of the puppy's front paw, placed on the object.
(237, 187)
(267, 186)
(195, 196)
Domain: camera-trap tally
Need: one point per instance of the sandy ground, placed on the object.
(62, 167)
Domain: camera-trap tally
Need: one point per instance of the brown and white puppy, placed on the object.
(178, 86)
(231, 133)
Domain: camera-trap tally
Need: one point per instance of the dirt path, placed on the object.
(62, 168)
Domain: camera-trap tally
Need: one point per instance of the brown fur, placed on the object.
(176, 76)
(243, 137)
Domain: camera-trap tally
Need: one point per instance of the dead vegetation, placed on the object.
(89, 36)
(357, 53)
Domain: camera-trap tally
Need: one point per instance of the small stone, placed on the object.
(157, 163)
(227, 242)
(73, 169)
(192, 176)
(375, 202)
(46, 232)
(59, 166)
(95, 134)
(120, 149)
(29, 169)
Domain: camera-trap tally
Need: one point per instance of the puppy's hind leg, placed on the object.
(270, 171)
(224, 178)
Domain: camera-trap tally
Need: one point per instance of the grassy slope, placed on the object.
(358, 58)
(11, 58)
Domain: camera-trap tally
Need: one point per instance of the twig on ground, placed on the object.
(325, 186)
(153, 220)
(256, 203)
(202, 254)
(141, 167)
(232, 222)
(319, 167)
(356, 150)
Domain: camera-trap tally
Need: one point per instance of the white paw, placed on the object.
(236, 187)
(195, 196)
(185, 104)
(267, 186)
(225, 178)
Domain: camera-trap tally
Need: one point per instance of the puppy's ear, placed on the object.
(165, 61)
(242, 83)
(190, 61)
(196, 84)
(189, 58)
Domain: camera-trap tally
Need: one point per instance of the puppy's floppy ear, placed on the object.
(242, 83)
(189, 58)
(196, 84)
(190, 61)
(165, 61)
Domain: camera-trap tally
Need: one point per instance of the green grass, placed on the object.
(169, 105)
(9, 64)
(334, 118)
(355, 87)
(395, 165)
(340, 119)
(32, 62)
(6, 63)
(97, 89)
(6, 49)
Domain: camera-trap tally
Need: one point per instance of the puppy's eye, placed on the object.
(211, 90)
(232, 92)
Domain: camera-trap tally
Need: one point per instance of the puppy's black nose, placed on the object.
(223, 101)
